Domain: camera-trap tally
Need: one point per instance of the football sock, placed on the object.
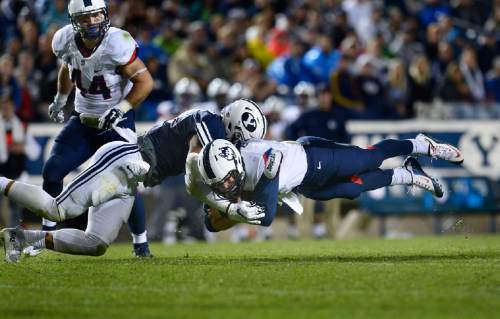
(401, 176)
(420, 147)
(34, 236)
(140, 238)
(137, 221)
(392, 148)
(48, 224)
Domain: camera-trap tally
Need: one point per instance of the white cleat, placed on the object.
(442, 150)
(421, 179)
(13, 242)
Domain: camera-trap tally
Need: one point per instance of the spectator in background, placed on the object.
(319, 121)
(290, 69)
(46, 62)
(322, 59)
(422, 84)
(12, 145)
(493, 82)
(8, 83)
(371, 90)
(56, 15)
(345, 92)
(360, 16)
(28, 79)
(256, 38)
(454, 88)
(489, 47)
(398, 90)
(167, 40)
(433, 37)
(472, 74)
(406, 45)
(431, 10)
(444, 57)
(191, 60)
(29, 35)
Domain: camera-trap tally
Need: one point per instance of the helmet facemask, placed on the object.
(90, 31)
(230, 186)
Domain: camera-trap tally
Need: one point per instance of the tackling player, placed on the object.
(101, 61)
(108, 185)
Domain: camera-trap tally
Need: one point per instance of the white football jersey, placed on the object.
(263, 157)
(98, 85)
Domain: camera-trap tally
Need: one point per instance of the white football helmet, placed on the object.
(243, 119)
(186, 92)
(79, 8)
(239, 91)
(221, 168)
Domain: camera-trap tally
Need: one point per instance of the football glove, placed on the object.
(245, 212)
(114, 115)
(56, 113)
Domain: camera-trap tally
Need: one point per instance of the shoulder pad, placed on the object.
(121, 46)
(272, 162)
(61, 39)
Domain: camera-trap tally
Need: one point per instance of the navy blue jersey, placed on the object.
(166, 145)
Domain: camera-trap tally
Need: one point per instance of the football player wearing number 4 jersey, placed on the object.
(110, 81)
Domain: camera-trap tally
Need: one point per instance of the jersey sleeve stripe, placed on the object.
(201, 135)
(133, 57)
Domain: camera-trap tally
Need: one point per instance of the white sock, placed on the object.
(39, 244)
(48, 223)
(139, 239)
(420, 147)
(33, 236)
(401, 176)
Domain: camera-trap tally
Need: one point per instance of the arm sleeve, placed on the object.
(208, 127)
(266, 195)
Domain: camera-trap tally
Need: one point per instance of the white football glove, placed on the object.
(246, 212)
(114, 115)
(56, 113)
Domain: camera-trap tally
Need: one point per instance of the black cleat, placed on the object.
(142, 251)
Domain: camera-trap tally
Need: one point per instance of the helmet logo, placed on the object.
(248, 121)
(227, 153)
(87, 3)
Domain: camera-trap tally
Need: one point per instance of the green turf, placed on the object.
(433, 277)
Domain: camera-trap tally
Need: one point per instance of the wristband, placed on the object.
(61, 98)
(124, 106)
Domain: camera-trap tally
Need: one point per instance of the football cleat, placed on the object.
(421, 179)
(142, 251)
(442, 150)
(13, 243)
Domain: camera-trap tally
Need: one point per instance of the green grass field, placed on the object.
(431, 277)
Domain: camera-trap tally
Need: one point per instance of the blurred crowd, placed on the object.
(311, 64)
(380, 59)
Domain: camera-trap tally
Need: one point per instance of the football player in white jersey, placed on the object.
(101, 61)
(269, 172)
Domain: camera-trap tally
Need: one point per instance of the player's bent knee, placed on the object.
(101, 249)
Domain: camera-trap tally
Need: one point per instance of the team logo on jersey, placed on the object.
(227, 153)
(249, 121)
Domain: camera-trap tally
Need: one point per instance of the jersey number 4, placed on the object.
(97, 86)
